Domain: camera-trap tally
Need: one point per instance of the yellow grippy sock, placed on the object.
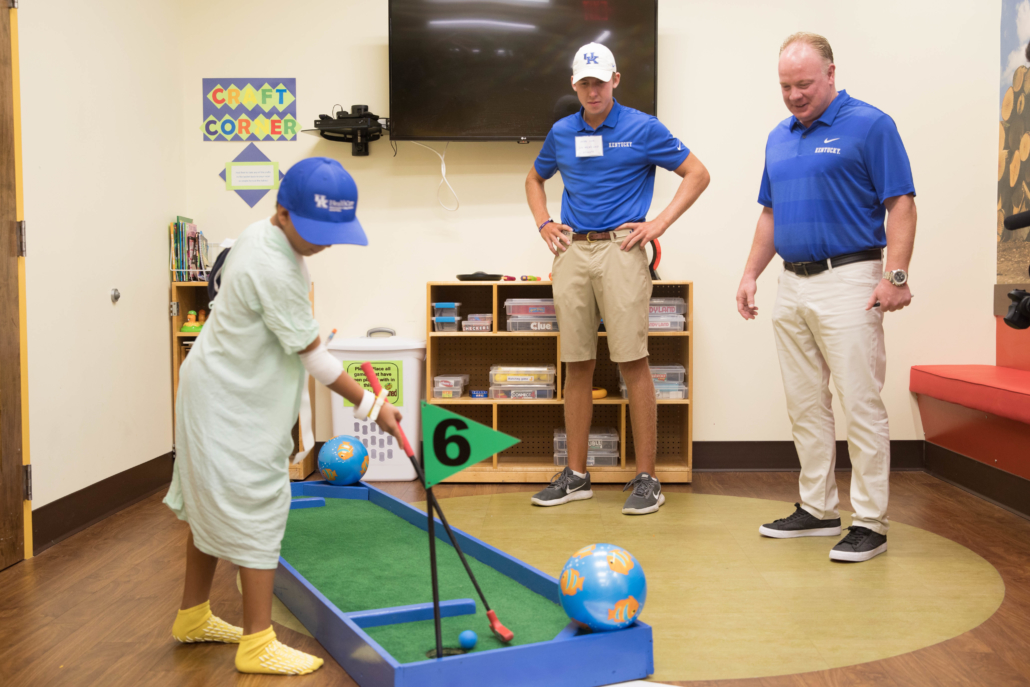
(198, 624)
(261, 652)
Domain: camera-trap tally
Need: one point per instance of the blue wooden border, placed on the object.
(302, 503)
(572, 659)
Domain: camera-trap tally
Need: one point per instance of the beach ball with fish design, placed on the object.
(603, 587)
(343, 460)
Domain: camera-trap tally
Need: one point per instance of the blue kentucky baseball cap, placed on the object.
(322, 199)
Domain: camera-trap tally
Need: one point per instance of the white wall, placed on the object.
(103, 170)
(934, 71)
(99, 382)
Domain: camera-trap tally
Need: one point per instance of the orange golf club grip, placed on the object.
(370, 374)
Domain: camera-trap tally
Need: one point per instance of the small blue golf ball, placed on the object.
(467, 639)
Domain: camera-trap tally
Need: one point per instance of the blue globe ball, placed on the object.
(343, 460)
(467, 639)
(603, 587)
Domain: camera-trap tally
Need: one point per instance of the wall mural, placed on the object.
(1014, 141)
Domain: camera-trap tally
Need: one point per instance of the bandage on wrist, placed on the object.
(321, 365)
(380, 400)
(362, 410)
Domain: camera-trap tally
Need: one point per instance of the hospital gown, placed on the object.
(239, 397)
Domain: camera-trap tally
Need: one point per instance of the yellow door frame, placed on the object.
(20, 213)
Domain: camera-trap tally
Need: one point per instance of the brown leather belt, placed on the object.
(807, 269)
(594, 236)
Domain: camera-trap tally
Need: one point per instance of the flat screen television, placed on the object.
(495, 70)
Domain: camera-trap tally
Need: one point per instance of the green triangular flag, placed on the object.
(451, 443)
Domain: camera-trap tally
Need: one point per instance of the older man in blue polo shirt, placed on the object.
(607, 154)
(834, 170)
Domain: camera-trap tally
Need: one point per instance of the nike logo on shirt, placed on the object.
(831, 140)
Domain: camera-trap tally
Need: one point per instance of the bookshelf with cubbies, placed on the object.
(186, 296)
(534, 421)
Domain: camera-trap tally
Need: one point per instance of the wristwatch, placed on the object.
(896, 277)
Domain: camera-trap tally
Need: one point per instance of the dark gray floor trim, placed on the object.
(780, 456)
(1001, 488)
(75, 512)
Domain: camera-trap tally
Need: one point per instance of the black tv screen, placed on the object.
(485, 70)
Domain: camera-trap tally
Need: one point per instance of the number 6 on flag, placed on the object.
(456, 443)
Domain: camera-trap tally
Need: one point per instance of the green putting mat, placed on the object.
(363, 557)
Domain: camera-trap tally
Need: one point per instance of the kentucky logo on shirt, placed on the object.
(620, 144)
(835, 151)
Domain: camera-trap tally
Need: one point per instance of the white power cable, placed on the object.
(443, 177)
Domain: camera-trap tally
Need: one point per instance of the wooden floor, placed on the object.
(97, 608)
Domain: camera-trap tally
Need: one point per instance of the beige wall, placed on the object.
(103, 171)
(934, 71)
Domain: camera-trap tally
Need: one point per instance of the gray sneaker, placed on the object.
(861, 544)
(800, 523)
(564, 487)
(647, 496)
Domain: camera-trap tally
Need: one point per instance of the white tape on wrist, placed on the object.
(380, 401)
(362, 410)
(321, 365)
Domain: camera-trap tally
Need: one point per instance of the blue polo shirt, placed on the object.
(605, 191)
(826, 184)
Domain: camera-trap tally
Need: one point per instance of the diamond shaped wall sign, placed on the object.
(251, 154)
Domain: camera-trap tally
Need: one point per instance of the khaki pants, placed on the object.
(822, 329)
(595, 280)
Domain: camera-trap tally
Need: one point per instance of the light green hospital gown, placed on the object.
(239, 397)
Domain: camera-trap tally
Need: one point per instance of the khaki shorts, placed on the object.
(595, 280)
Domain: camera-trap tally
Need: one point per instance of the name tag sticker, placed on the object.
(589, 146)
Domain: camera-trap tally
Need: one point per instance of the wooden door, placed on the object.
(12, 490)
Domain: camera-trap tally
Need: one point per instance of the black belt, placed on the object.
(807, 269)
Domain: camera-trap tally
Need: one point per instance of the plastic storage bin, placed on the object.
(666, 323)
(447, 391)
(664, 373)
(522, 391)
(529, 306)
(532, 323)
(664, 391)
(446, 309)
(667, 306)
(600, 439)
(477, 326)
(446, 324)
(522, 374)
(450, 381)
(480, 317)
(598, 458)
(398, 362)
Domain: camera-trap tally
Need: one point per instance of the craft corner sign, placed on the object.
(262, 109)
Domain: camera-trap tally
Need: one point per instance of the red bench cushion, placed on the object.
(1002, 391)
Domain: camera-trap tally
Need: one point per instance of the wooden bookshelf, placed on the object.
(533, 422)
(188, 295)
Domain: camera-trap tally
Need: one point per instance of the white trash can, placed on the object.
(398, 364)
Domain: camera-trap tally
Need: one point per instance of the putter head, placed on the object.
(500, 631)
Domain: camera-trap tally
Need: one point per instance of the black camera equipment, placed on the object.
(358, 127)
(1018, 316)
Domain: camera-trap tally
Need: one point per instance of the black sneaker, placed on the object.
(861, 544)
(564, 487)
(647, 496)
(800, 524)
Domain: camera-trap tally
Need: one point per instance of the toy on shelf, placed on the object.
(529, 277)
(191, 324)
(201, 317)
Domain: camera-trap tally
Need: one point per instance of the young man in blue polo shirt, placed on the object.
(606, 154)
(833, 171)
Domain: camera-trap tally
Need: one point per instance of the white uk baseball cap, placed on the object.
(595, 60)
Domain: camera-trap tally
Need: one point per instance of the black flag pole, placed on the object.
(432, 567)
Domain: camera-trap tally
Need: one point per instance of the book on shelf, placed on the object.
(187, 251)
